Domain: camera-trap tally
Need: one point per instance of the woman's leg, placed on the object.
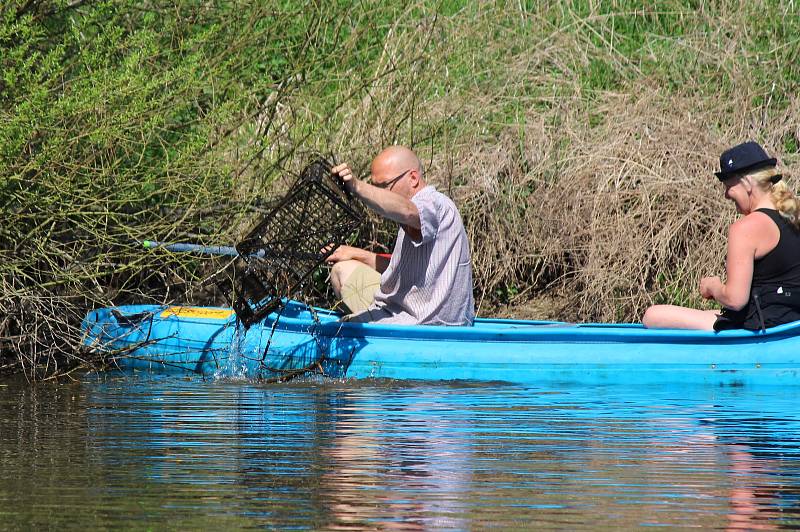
(675, 317)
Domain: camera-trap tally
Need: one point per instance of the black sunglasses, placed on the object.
(392, 181)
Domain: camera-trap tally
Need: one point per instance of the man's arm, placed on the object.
(373, 260)
(385, 202)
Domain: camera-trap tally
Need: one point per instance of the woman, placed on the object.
(762, 287)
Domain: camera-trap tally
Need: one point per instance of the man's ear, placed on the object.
(415, 177)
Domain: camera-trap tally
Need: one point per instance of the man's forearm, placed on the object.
(388, 204)
(366, 257)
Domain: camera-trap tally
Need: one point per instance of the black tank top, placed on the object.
(775, 291)
(781, 266)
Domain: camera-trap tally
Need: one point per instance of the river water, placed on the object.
(129, 451)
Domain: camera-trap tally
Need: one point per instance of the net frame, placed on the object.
(304, 228)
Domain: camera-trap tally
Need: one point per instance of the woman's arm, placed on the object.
(734, 294)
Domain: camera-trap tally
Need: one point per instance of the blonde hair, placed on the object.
(784, 199)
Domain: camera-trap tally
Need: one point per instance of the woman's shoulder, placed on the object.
(756, 232)
(754, 223)
(760, 217)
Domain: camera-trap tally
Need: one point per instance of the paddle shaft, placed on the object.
(193, 248)
(229, 251)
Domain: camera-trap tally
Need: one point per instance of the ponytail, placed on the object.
(786, 203)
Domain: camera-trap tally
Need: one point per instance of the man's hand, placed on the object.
(374, 261)
(346, 174)
(346, 253)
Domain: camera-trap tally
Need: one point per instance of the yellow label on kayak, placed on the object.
(198, 312)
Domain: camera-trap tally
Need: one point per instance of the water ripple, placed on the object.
(166, 452)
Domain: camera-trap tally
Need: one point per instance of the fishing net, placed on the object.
(294, 238)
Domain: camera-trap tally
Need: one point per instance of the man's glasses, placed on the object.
(392, 181)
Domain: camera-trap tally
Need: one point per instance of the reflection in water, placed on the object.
(161, 452)
(762, 496)
(404, 468)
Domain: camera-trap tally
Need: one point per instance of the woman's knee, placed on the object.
(653, 316)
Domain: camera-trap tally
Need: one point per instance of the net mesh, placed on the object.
(294, 238)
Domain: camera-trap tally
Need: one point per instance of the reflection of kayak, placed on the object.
(207, 340)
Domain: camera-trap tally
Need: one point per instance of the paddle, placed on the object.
(193, 248)
(229, 251)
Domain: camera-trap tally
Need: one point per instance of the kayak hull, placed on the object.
(299, 340)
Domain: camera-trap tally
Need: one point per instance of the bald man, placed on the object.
(427, 280)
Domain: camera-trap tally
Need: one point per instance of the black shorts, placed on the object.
(763, 311)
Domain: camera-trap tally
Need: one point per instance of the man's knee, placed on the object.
(340, 272)
(355, 284)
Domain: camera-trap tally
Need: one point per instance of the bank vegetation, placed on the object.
(577, 137)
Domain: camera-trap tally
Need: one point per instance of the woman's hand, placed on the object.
(709, 286)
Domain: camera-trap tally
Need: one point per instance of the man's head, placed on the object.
(398, 169)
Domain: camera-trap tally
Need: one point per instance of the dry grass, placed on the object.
(597, 202)
(606, 220)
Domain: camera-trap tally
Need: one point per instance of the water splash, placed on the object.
(234, 366)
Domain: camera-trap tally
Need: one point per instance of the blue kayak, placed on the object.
(301, 340)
